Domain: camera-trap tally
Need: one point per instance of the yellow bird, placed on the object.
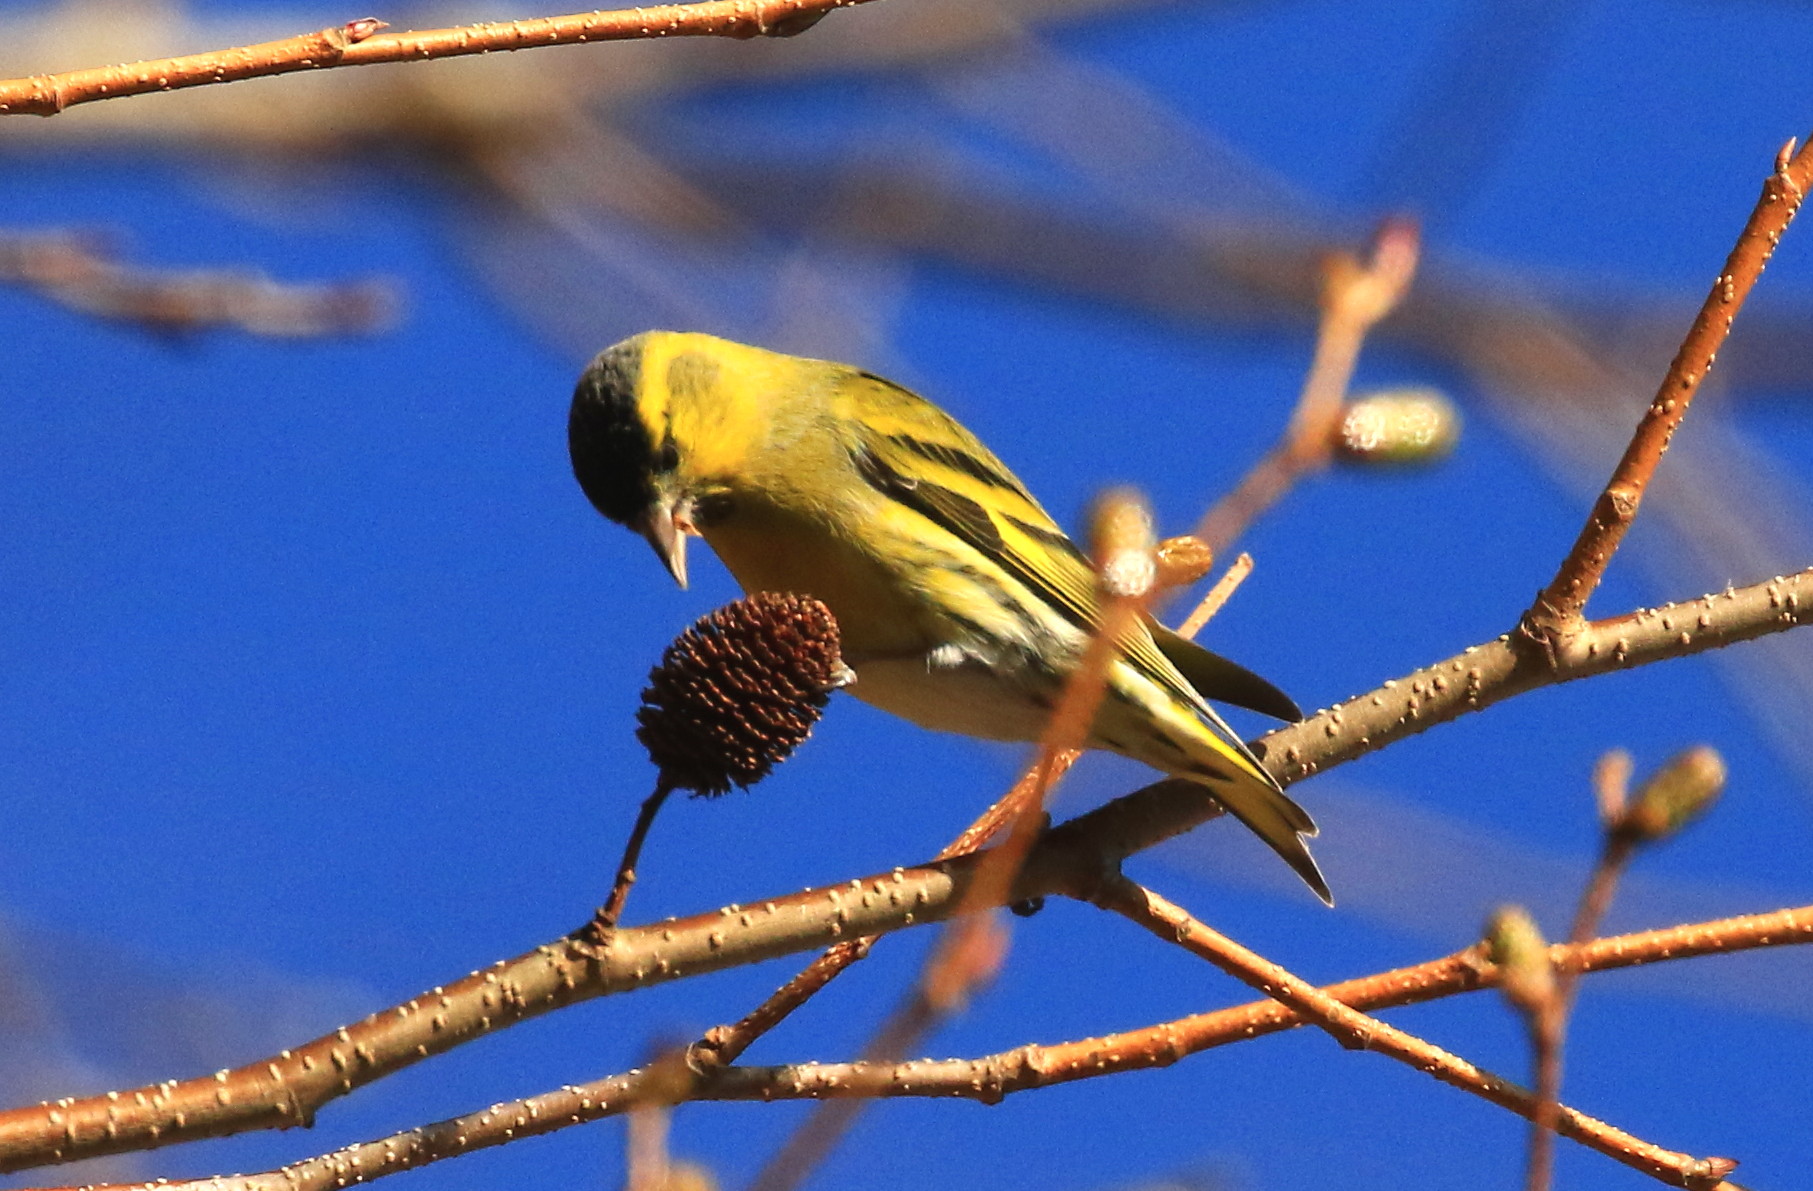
(960, 604)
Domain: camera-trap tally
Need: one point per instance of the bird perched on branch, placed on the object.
(962, 606)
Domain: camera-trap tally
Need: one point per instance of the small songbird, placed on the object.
(961, 605)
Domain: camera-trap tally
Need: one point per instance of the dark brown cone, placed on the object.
(737, 692)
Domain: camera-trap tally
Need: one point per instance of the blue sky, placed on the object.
(317, 673)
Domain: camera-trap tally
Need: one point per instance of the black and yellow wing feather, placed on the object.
(924, 460)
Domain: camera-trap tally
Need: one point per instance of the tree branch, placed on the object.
(360, 43)
(1470, 681)
(1036, 1066)
(286, 1090)
(77, 273)
(1559, 610)
(1483, 675)
(990, 1078)
(1355, 1030)
(1354, 296)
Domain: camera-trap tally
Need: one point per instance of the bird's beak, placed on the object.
(657, 525)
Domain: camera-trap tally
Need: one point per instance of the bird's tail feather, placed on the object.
(1273, 817)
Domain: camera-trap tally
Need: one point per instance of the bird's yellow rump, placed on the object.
(961, 604)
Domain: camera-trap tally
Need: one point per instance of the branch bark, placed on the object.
(989, 1078)
(1355, 296)
(286, 1090)
(1560, 609)
(360, 43)
(1358, 1031)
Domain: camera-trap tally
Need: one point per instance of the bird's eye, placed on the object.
(669, 456)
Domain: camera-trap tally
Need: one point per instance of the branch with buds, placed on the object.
(1680, 792)
(702, 735)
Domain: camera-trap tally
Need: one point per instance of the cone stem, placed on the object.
(612, 910)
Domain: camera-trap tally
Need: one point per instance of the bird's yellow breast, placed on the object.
(775, 549)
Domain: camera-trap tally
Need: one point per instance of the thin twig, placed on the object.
(1549, 1024)
(1120, 604)
(1559, 611)
(1515, 943)
(1357, 1031)
(1669, 799)
(608, 914)
(918, 1014)
(645, 1152)
(360, 43)
(723, 1045)
(1160, 1045)
(663, 1082)
(1217, 597)
(1354, 297)
(1050, 770)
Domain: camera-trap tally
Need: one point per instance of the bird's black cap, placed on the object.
(612, 450)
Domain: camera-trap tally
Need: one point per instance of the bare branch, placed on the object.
(1559, 610)
(1470, 681)
(1035, 1066)
(287, 1090)
(359, 43)
(1357, 1031)
(1217, 596)
(1674, 796)
(1487, 674)
(989, 1078)
(48, 94)
(972, 949)
(1355, 295)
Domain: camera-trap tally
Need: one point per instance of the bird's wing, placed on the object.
(918, 456)
(921, 457)
(1214, 677)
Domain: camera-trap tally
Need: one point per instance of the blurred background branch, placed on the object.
(78, 272)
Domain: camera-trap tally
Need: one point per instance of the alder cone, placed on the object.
(738, 691)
